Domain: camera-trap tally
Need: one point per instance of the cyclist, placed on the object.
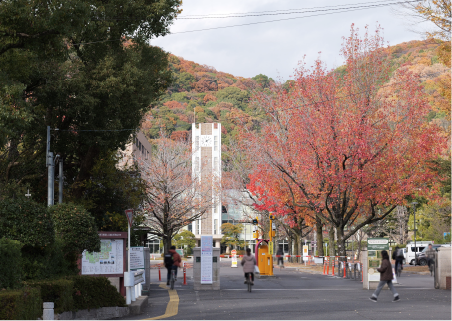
(397, 256)
(172, 262)
(430, 255)
(248, 263)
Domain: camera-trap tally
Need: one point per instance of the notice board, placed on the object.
(206, 259)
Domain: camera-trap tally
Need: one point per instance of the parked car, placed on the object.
(411, 250)
(422, 260)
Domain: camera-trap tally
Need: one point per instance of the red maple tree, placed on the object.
(351, 144)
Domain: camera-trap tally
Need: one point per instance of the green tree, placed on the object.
(263, 80)
(231, 235)
(233, 95)
(185, 238)
(94, 71)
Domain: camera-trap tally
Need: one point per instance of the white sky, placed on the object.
(275, 48)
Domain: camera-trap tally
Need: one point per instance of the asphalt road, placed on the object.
(295, 295)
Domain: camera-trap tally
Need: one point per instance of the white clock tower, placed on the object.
(206, 160)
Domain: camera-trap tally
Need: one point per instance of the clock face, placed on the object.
(206, 141)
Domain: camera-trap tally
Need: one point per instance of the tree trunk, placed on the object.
(319, 240)
(341, 243)
(289, 241)
(167, 242)
(300, 248)
(295, 246)
(331, 247)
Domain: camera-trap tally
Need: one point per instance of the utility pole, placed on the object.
(60, 180)
(50, 163)
(271, 233)
(415, 247)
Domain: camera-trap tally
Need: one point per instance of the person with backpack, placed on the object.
(386, 277)
(172, 261)
(397, 256)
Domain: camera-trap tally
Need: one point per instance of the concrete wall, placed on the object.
(443, 266)
(95, 314)
(197, 271)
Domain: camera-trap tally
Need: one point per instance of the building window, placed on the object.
(196, 143)
(198, 223)
(215, 226)
(216, 164)
(215, 143)
(197, 164)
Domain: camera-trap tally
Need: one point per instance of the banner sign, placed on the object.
(136, 258)
(206, 259)
(234, 258)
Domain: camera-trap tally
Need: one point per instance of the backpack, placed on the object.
(168, 260)
(399, 253)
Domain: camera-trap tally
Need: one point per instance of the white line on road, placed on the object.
(290, 289)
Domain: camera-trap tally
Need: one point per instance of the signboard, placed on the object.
(305, 252)
(270, 247)
(129, 214)
(206, 259)
(234, 258)
(136, 258)
(374, 248)
(109, 260)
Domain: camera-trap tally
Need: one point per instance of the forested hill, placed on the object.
(215, 96)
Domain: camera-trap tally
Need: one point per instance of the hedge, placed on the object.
(11, 271)
(92, 292)
(58, 291)
(23, 304)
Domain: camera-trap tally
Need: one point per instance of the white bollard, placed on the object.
(132, 293)
(48, 313)
(128, 295)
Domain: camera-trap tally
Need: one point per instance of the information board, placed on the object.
(374, 248)
(206, 259)
(108, 261)
(136, 258)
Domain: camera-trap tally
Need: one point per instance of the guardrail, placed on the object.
(132, 282)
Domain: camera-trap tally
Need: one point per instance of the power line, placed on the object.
(276, 20)
(275, 13)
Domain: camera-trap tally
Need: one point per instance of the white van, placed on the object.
(410, 250)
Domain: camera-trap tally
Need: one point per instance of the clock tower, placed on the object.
(206, 160)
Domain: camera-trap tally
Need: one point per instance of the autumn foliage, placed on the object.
(350, 145)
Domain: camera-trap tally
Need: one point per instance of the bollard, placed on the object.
(324, 266)
(185, 276)
(48, 313)
(334, 261)
(328, 266)
(160, 275)
(345, 270)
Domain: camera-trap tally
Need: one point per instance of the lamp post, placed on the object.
(415, 247)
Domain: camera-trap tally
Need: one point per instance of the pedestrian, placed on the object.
(397, 256)
(280, 255)
(248, 263)
(172, 262)
(430, 254)
(386, 277)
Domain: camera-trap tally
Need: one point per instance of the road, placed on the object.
(295, 295)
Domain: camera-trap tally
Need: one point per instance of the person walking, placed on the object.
(386, 277)
(430, 255)
(397, 256)
(280, 255)
(172, 262)
(248, 263)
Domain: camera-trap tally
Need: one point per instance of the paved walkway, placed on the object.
(296, 295)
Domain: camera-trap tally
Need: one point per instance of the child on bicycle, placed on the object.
(248, 263)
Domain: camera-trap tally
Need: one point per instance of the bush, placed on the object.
(23, 304)
(11, 271)
(58, 291)
(76, 228)
(26, 221)
(92, 292)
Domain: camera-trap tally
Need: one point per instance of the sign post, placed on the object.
(234, 258)
(129, 214)
(374, 248)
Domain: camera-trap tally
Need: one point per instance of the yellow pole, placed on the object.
(271, 243)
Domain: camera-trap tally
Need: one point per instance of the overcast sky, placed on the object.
(274, 48)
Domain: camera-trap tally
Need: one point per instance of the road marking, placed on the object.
(254, 289)
(173, 305)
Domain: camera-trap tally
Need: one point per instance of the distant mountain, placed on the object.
(215, 96)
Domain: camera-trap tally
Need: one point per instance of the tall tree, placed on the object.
(92, 76)
(174, 197)
(353, 144)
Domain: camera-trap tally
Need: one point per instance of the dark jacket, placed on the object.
(280, 252)
(385, 270)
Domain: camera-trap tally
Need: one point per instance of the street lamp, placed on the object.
(415, 247)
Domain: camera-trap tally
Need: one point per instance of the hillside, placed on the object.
(215, 96)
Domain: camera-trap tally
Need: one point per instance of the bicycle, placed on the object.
(173, 279)
(249, 282)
